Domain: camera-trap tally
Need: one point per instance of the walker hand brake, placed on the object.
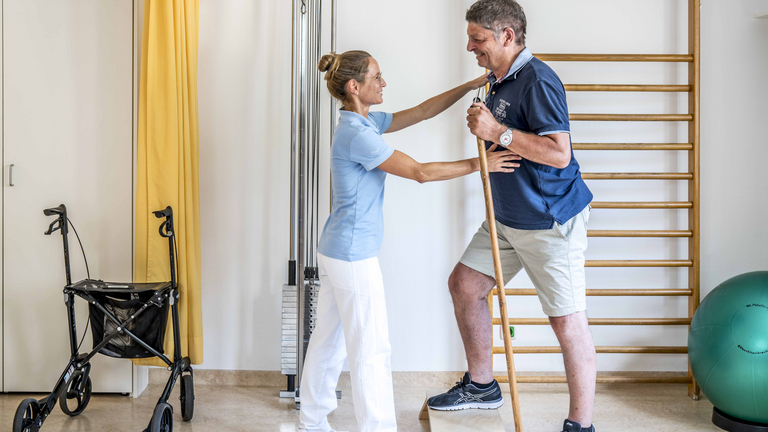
(52, 228)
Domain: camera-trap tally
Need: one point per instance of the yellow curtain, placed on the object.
(168, 168)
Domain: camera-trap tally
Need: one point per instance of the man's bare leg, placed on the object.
(580, 364)
(469, 290)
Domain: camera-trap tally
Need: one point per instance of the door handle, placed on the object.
(10, 176)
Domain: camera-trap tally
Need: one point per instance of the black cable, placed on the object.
(84, 332)
(81, 248)
(88, 272)
(178, 275)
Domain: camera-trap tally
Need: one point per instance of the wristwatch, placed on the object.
(506, 137)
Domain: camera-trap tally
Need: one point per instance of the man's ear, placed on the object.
(508, 36)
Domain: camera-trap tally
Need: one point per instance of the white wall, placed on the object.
(735, 100)
(244, 88)
(244, 77)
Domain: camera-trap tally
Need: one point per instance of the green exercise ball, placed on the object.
(728, 347)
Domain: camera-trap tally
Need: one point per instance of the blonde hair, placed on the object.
(340, 68)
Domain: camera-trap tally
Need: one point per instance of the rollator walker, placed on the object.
(128, 320)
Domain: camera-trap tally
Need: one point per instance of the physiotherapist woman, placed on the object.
(351, 311)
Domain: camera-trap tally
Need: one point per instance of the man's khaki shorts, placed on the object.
(552, 258)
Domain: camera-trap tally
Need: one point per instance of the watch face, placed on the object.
(506, 138)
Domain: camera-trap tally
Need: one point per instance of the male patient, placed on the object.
(541, 210)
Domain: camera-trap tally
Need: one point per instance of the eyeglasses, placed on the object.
(377, 77)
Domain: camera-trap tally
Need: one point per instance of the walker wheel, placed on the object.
(76, 390)
(162, 419)
(26, 419)
(187, 398)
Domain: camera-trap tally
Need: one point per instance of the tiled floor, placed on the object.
(619, 408)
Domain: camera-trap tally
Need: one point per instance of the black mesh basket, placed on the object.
(149, 326)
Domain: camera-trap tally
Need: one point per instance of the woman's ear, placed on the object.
(353, 87)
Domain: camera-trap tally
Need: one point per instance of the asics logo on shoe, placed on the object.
(469, 397)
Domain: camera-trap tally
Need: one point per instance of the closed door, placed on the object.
(67, 120)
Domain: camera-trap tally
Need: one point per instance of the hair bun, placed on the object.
(327, 61)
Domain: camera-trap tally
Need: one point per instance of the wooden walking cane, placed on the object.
(482, 420)
(491, 218)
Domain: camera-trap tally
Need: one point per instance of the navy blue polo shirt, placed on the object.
(531, 99)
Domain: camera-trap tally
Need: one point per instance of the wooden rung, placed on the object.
(636, 176)
(602, 321)
(632, 146)
(627, 88)
(641, 205)
(629, 292)
(598, 349)
(631, 117)
(601, 379)
(617, 57)
(638, 263)
(637, 233)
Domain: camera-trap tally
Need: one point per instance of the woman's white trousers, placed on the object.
(351, 322)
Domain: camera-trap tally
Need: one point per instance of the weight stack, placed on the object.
(290, 331)
(289, 355)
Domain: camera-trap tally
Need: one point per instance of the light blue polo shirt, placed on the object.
(355, 229)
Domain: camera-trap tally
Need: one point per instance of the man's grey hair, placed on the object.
(496, 15)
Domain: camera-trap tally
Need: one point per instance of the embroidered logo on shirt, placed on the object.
(500, 113)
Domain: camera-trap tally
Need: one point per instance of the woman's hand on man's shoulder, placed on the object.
(479, 82)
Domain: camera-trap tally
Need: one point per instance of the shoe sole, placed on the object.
(472, 405)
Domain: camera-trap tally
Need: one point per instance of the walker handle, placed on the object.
(60, 222)
(164, 213)
(60, 210)
(166, 228)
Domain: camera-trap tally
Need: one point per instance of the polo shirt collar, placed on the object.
(522, 59)
(356, 118)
